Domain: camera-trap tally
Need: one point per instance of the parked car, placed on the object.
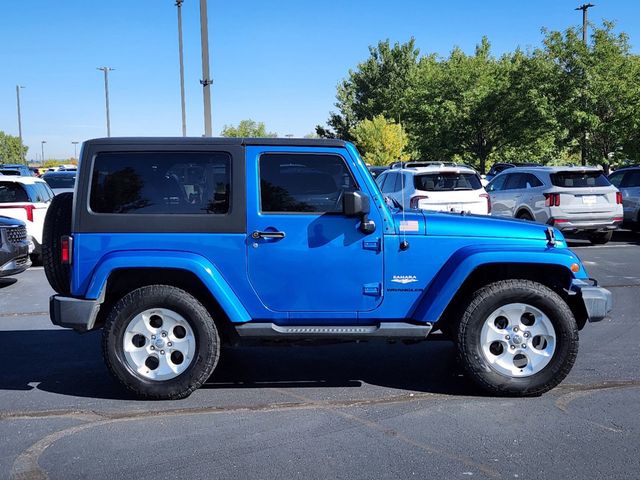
(436, 187)
(27, 199)
(61, 181)
(501, 167)
(22, 170)
(69, 167)
(572, 199)
(174, 246)
(627, 180)
(377, 170)
(14, 247)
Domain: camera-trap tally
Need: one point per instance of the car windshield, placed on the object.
(579, 179)
(60, 181)
(446, 181)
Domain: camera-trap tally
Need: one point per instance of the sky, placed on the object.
(277, 62)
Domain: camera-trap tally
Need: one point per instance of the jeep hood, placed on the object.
(479, 226)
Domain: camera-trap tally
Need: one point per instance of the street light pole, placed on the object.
(106, 71)
(42, 146)
(584, 7)
(75, 150)
(18, 87)
(182, 100)
(206, 81)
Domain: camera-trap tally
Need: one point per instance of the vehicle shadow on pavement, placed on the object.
(7, 282)
(623, 237)
(63, 362)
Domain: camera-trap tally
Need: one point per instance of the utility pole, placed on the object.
(75, 150)
(106, 71)
(42, 146)
(206, 81)
(182, 101)
(583, 148)
(18, 87)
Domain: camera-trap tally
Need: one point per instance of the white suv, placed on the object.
(27, 199)
(572, 199)
(436, 187)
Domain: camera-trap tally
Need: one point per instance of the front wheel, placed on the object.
(160, 342)
(517, 337)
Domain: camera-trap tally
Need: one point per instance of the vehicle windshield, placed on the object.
(446, 181)
(579, 179)
(60, 181)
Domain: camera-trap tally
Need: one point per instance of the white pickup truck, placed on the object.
(27, 199)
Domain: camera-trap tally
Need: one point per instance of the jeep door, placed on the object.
(304, 254)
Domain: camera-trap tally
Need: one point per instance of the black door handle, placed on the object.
(258, 234)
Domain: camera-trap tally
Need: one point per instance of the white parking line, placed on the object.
(36, 268)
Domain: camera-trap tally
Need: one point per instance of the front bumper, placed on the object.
(73, 313)
(14, 257)
(598, 301)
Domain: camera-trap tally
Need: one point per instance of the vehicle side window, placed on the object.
(389, 183)
(398, 185)
(11, 192)
(616, 179)
(380, 181)
(303, 183)
(161, 183)
(497, 184)
(516, 181)
(532, 181)
(631, 179)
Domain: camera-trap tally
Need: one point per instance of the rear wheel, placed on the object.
(160, 342)
(525, 216)
(600, 238)
(57, 224)
(517, 337)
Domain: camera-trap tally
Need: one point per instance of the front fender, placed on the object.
(196, 264)
(463, 262)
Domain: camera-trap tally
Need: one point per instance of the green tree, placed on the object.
(11, 149)
(380, 141)
(247, 129)
(378, 86)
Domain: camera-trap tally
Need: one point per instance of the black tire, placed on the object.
(57, 224)
(525, 216)
(600, 238)
(487, 300)
(207, 341)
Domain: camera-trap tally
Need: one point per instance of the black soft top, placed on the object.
(289, 142)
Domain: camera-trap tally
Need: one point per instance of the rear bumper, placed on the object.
(571, 225)
(74, 313)
(598, 301)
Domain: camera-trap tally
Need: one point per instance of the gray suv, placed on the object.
(628, 182)
(572, 199)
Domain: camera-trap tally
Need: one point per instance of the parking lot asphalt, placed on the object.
(334, 411)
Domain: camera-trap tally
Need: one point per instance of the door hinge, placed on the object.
(372, 289)
(373, 244)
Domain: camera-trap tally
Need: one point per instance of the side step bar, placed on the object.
(395, 330)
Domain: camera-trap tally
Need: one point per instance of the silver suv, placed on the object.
(628, 181)
(572, 199)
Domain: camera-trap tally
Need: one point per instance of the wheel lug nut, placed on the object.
(527, 334)
(512, 347)
(153, 337)
(524, 345)
(515, 329)
(507, 337)
(169, 344)
(152, 347)
(164, 334)
(161, 352)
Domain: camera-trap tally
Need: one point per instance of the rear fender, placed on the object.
(196, 264)
(462, 264)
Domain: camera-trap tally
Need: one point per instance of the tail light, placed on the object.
(552, 199)
(555, 221)
(28, 208)
(486, 195)
(66, 245)
(414, 200)
(619, 198)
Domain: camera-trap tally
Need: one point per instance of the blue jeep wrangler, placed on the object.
(175, 246)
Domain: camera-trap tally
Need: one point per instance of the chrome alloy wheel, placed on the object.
(518, 340)
(159, 344)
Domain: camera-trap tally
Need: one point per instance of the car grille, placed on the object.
(16, 234)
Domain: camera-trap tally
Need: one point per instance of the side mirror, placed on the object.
(356, 204)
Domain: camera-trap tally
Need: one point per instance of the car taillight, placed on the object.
(414, 200)
(65, 250)
(551, 199)
(619, 198)
(28, 208)
(486, 195)
(555, 221)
